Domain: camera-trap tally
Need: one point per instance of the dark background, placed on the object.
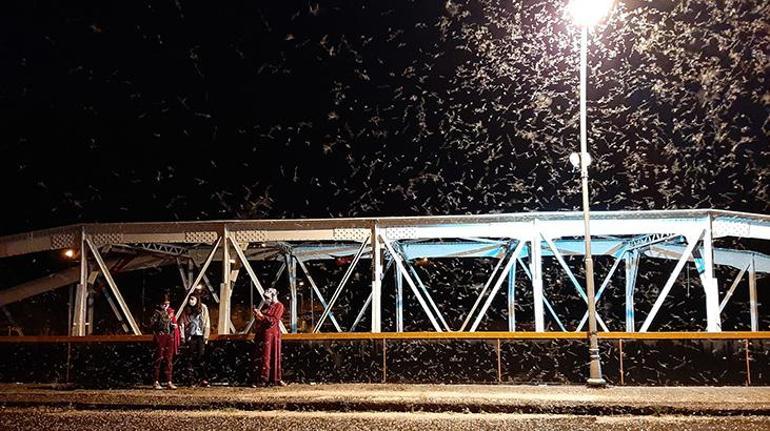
(160, 111)
(156, 111)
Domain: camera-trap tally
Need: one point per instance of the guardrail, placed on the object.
(384, 337)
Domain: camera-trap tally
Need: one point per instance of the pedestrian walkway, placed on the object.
(571, 400)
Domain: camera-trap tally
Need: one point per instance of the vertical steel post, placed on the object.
(376, 280)
(225, 288)
(291, 265)
(399, 300)
(90, 298)
(746, 347)
(536, 271)
(632, 269)
(753, 297)
(499, 363)
(595, 377)
(81, 294)
(190, 274)
(512, 297)
(710, 283)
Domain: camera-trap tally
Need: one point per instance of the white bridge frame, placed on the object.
(627, 236)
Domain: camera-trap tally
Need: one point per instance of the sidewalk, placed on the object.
(574, 400)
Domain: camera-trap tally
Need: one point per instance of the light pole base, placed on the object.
(596, 383)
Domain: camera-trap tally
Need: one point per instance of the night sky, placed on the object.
(158, 111)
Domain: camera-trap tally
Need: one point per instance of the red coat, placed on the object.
(270, 322)
(269, 336)
(176, 334)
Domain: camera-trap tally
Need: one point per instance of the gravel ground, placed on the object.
(13, 419)
(433, 398)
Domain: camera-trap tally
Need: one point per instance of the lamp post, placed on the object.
(586, 13)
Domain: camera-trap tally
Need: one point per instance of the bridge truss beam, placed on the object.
(540, 238)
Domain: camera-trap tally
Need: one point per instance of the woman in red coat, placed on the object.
(167, 339)
(268, 338)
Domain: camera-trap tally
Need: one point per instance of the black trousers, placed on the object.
(197, 358)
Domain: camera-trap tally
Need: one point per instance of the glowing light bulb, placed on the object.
(589, 12)
(574, 159)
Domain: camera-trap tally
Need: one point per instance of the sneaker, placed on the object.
(205, 384)
(280, 383)
(170, 385)
(157, 386)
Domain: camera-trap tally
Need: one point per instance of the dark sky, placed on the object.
(127, 111)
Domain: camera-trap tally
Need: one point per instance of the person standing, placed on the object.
(268, 339)
(166, 338)
(196, 328)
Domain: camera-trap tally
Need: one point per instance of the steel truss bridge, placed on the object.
(519, 242)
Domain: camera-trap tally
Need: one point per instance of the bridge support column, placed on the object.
(291, 265)
(399, 300)
(91, 295)
(376, 281)
(753, 297)
(512, 297)
(536, 270)
(225, 288)
(632, 269)
(81, 293)
(710, 283)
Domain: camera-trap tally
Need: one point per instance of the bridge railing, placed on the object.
(745, 348)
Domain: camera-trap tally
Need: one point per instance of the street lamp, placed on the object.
(587, 13)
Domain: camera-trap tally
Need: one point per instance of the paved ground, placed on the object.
(395, 407)
(38, 419)
(389, 397)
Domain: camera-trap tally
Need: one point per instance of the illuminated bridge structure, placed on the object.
(520, 243)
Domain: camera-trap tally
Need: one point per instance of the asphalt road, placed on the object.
(13, 419)
(392, 407)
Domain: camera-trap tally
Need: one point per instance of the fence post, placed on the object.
(384, 360)
(620, 354)
(69, 363)
(748, 362)
(499, 364)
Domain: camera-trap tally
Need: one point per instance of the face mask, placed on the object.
(165, 305)
(193, 301)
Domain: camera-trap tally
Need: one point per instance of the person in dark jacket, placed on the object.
(196, 327)
(268, 340)
(166, 338)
